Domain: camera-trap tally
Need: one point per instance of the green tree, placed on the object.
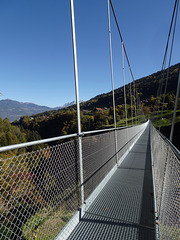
(24, 121)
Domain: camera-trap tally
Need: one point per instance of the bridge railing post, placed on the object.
(77, 99)
(112, 81)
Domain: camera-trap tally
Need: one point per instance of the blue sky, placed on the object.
(36, 60)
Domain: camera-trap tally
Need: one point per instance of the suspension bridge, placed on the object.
(118, 183)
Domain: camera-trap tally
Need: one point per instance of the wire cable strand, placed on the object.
(125, 52)
(161, 81)
(172, 43)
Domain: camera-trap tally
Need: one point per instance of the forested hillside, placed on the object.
(97, 113)
(10, 134)
(146, 87)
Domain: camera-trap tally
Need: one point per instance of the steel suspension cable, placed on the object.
(169, 34)
(134, 88)
(172, 43)
(175, 108)
(112, 81)
(131, 95)
(125, 52)
(111, 61)
(166, 49)
(161, 81)
(77, 97)
(124, 83)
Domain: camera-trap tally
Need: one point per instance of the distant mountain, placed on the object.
(70, 104)
(13, 110)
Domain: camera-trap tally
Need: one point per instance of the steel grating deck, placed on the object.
(124, 208)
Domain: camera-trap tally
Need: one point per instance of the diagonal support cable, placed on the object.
(125, 52)
(172, 43)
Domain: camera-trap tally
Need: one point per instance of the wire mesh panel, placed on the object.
(167, 186)
(39, 192)
(98, 159)
(122, 139)
(99, 155)
(159, 154)
(126, 137)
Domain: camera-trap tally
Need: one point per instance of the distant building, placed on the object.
(98, 109)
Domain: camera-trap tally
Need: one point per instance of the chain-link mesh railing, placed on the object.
(99, 155)
(40, 190)
(166, 171)
(98, 159)
(126, 137)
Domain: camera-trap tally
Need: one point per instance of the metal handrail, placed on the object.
(37, 142)
(53, 139)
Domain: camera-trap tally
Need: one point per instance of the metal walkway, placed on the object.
(124, 208)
